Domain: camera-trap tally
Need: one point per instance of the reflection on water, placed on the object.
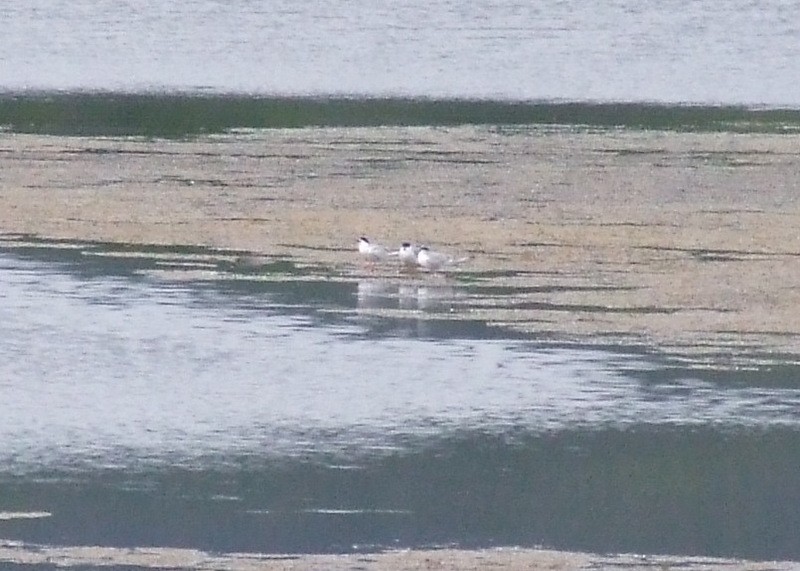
(312, 414)
(383, 294)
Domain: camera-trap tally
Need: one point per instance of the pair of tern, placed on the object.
(409, 255)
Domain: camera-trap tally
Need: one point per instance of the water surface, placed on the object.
(272, 409)
(678, 51)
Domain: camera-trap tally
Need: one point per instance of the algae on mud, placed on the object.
(681, 240)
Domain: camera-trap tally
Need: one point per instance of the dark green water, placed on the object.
(175, 115)
(647, 489)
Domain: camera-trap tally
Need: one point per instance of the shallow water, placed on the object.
(740, 52)
(181, 398)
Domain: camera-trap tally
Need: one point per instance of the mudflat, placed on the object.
(504, 559)
(687, 241)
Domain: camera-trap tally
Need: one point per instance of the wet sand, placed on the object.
(688, 243)
(418, 560)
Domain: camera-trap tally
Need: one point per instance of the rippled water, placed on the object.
(167, 371)
(668, 51)
(295, 412)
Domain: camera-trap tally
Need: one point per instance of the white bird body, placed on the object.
(407, 254)
(436, 261)
(372, 252)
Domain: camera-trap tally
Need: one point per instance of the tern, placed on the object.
(436, 261)
(372, 252)
(407, 254)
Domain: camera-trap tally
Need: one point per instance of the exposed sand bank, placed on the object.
(687, 241)
(438, 560)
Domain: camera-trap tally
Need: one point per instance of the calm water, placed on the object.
(271, 410)
(673, 51)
